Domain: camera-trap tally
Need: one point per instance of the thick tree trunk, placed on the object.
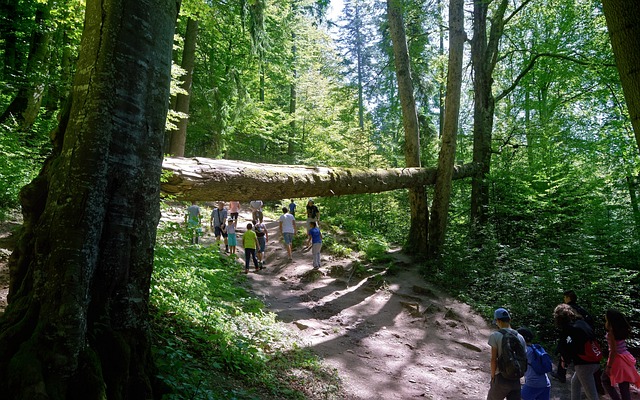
(417, 239)
(623, 21)
(179, 136)
(203, 179)
(76, 326)
(446, 159)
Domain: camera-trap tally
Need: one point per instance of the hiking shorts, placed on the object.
(262, 244)
(218, 232)
(287, 237)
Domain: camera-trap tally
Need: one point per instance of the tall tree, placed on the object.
(623, 20)
(179, 135)
(446, 159)
(417, 240)
(76, 326)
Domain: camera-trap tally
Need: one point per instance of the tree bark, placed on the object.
(179, 136)
(484, 56)
(623, 21)
(203, 179)
(417, 238)
(446, 159)
(76, 326)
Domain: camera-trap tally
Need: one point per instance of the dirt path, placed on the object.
(389, 336)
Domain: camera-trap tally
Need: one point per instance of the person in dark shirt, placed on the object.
(574, 333)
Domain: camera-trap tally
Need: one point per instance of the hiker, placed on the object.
(315, 240)
(232, 238)
(249, 241)
(234, 209)
(313, 214)
(508, 358)
(292, 208)
(576, 338)
(256, 210)
(218, 217)
(536, 382)
(621, 365)
(262, 235)
(570, 297)
(287, 223)
(193, 218)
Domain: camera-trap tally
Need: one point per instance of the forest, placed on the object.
(496, 141)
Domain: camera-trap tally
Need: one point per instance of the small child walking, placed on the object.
(232, 239)
(536, 385)
(621, 365)
(315, 237)
(249, 241)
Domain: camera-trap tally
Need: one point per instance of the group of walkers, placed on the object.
(223, 223)
(514, 355)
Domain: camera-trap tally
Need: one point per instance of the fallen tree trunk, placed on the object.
(204, 179)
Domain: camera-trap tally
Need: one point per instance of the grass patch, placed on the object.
(213, 340)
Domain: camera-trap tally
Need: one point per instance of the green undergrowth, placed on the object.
(530, 283)
(214, 340)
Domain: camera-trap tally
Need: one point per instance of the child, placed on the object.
(315, 237)
(536, 386)
(292, 208)
(621, 365)
(232, 239)
(249, 240)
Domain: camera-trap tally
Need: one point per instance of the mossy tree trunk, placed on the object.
(76, 326)
(417, 240)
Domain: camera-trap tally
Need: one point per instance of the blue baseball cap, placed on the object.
(500, 313)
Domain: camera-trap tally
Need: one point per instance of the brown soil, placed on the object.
(389, 336)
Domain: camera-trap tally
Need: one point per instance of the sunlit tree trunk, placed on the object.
(76, 326)
(446, 159)
(623, 21)
(417, 241)
(179, 136)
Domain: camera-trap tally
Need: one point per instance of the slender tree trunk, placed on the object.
(293, 99)
(623, 20)
(13, 16)
(484, 56)
(26, 104)
(179, 136)
(360, 67)
(417, 242)
(442, 193)
(633, 184)
(76, 326)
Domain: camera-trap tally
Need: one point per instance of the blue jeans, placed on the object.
(248, 255)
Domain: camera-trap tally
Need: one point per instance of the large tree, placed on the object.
(623, 20)
(446, 159)
(417, 240)
(76, 326)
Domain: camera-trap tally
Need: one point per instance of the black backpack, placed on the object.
(512, 361)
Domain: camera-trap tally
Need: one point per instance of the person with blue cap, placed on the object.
(504, 386)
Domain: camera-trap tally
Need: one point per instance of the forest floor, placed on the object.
(390, 336)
